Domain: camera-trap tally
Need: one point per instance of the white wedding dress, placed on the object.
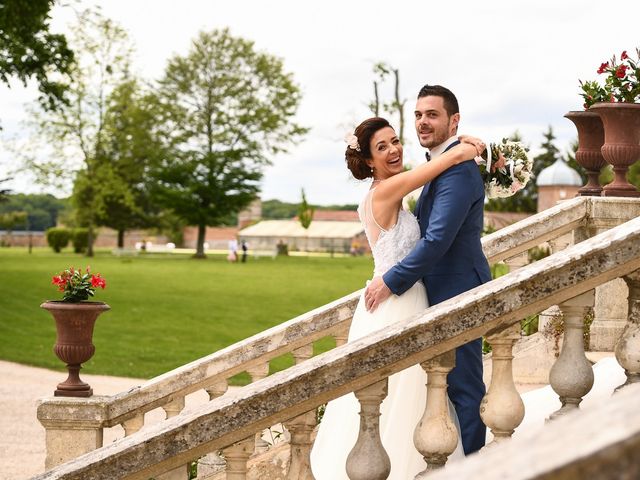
(404, 405)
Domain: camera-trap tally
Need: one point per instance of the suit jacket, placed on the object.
(448, 257)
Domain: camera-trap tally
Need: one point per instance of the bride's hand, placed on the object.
(477, 143)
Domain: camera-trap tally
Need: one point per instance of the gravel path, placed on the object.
(22, 448)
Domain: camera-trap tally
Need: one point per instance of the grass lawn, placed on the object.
(166, 310)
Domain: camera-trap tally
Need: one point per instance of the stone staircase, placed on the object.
(230, 422)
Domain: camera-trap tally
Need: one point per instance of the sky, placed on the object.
(514, 65)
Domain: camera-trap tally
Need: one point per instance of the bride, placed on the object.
(374, 151)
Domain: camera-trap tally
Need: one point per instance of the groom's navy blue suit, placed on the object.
(450, 261)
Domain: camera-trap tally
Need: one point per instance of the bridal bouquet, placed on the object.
(513, 176)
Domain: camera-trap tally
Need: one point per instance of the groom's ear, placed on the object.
(454, 121)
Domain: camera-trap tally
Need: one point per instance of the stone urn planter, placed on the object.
(74, 345)
(589, 154)
(621, 147)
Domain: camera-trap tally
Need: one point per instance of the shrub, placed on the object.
(80, 239)
(58, 238)
(282, 248)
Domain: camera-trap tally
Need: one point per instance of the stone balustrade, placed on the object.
(235, 417)
(74, 426)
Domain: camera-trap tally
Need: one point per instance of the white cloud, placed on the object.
(513, 65)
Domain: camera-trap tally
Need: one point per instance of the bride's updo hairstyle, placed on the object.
(359, 147)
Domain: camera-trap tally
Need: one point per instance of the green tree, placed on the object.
(277, 210)
(28, 50)
(117, 189)
(42, 209)
(9, 221)
(77, 131)
(305, 212)
(227, 107)
(4, 192)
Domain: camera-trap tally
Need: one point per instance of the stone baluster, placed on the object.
(341, 337)
(628, 346)
(237, 456)
(303, 353)
(258, 372)
(436, 436)
(571, 377)
(212, 461)
(368, 459)
(217, 389)
(517, 261)
(301, 428)
(173, 408)
(132, 425)
(557, 245)
(564, 241)
(502, 409)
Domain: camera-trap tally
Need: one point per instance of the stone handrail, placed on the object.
(238, 415)
(536, 229)
(295, 333)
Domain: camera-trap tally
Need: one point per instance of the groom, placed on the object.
(448, 257)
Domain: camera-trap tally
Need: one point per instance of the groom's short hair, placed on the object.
(449, 99)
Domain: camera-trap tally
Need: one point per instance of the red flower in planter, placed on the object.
(621, 71)
(78, 286)
(98, 281)
(621, 84)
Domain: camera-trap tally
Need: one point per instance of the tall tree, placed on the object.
(75, 134)
(28, 50)
(227, 108)
(305, 212)
(117, 189)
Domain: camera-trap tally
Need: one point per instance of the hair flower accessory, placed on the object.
(352, 141)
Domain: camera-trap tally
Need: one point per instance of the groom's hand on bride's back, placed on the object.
(375, 293)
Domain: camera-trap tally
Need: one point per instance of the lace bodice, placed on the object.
(388, 246)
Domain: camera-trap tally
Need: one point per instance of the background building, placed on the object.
(557, 182)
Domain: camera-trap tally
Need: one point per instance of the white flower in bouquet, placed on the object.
(513, 176)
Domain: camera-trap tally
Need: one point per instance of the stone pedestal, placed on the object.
(610, 315)
(610, 310)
